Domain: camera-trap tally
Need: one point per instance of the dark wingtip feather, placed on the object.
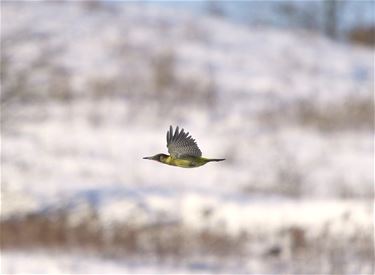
(181, 134)
(175, 134)
(169, 134)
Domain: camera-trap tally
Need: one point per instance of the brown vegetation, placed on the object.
(168, 240)
(352, 113)
(293, 248)
(364, 35)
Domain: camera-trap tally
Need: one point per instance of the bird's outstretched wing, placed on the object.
(181, 144)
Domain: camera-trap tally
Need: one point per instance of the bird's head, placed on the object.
(158, 157)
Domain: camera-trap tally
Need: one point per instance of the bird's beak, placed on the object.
(147, 158)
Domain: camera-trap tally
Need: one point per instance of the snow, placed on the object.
(88, 152)
(61, 263)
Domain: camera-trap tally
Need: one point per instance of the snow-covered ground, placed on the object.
(62, 263)
(88, 91)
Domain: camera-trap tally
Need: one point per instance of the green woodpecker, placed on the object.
(184, 151)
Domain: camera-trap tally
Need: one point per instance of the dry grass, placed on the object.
(293, 250)
(152, 81)
(171, 90)
(329, 252)
(351, 113)
(364, 35)
(169, 240)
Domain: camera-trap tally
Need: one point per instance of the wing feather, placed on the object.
(180, 144)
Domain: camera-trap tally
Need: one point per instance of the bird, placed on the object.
(184, 151)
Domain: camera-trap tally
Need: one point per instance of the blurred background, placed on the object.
(282, 89)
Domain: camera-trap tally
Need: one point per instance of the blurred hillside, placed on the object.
(89, 89)
(341, 20)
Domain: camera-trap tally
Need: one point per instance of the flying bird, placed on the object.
(184, 151)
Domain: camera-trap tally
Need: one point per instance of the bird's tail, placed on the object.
(215, 160)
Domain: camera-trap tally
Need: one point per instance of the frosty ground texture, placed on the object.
(87, 91)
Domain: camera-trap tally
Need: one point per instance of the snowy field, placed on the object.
(88, 90)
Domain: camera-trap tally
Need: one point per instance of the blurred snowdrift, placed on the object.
(87, 91)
